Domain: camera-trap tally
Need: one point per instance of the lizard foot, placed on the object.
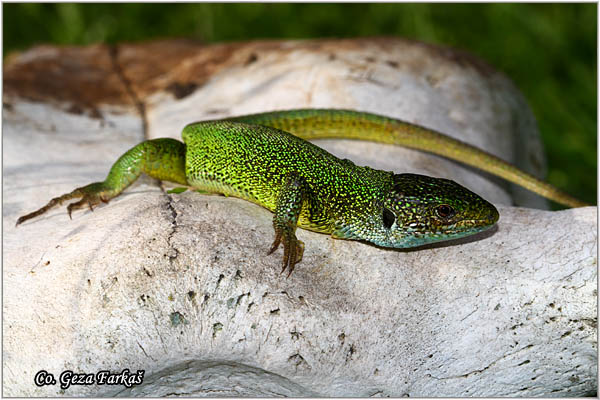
(90, 195)
(292, 249)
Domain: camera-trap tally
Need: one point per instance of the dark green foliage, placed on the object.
(549, 50)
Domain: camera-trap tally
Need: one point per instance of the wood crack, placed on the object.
(113, 51)
(173, 253)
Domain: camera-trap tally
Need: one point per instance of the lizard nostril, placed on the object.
(493, 215)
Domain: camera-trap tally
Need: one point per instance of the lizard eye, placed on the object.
(388, 218)
(444, 211)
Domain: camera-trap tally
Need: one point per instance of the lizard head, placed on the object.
(420, 209)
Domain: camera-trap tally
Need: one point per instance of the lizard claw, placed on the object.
(293, 250)
(88, 199)
(276, 243)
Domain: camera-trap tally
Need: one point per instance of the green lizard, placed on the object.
(255, 158)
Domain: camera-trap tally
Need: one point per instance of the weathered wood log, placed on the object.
(181, 286)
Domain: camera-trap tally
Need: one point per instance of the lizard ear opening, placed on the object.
(388, 218)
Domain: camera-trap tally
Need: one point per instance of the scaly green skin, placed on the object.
(306, 186)
(330, 123)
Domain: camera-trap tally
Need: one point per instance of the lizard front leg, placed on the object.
(287, 211)
(163, 159)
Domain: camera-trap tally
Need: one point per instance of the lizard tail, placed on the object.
(346, 124)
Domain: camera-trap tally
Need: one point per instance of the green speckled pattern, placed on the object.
(253, 162)
(349, 124)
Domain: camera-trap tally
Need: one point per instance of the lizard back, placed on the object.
(252, 162)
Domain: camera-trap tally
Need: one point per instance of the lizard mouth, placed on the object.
(485, 219)
(473, 225)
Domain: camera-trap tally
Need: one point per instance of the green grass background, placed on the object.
(549, 50)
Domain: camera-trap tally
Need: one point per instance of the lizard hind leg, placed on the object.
(285, 221)
(162, 159)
